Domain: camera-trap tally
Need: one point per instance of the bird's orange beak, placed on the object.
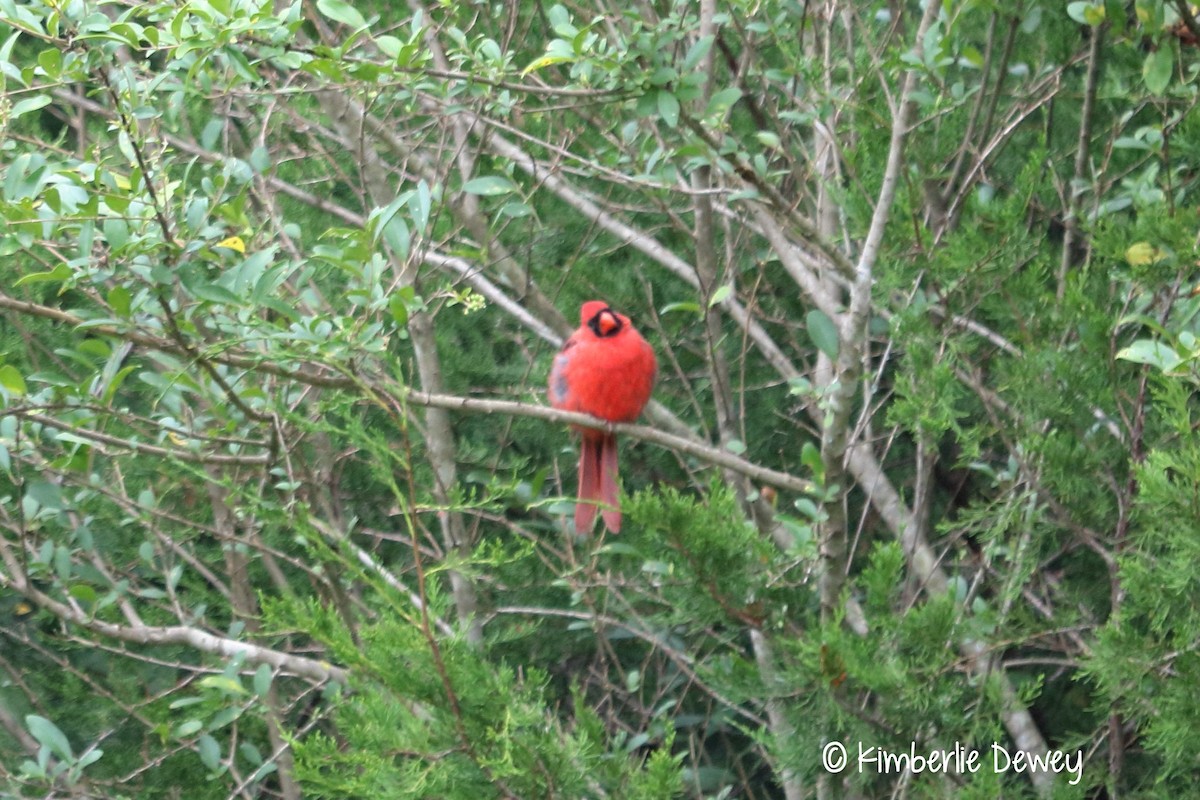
(607, 323)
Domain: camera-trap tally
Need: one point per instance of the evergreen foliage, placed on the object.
(283, 512)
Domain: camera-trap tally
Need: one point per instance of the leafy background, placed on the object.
(282, 510)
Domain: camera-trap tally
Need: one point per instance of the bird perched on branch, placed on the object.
(605, 369)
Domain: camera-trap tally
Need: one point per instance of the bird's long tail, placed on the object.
(609, 488)
(598, 487)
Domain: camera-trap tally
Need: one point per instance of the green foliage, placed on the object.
(714, 564)
(240, 557)
(1141, 661)
(446, 722)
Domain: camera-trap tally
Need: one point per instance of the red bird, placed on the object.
(605, 369)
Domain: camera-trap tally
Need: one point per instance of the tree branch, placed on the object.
(318, 671)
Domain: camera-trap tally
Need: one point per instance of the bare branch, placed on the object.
(194, 638)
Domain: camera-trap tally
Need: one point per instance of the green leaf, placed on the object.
(1157, 69)
(663, 77)
(722, 101)
(399, 310)
(188, 728)
(799, 386)
(251, 753)
(808, 508)
(84, 593)
(29, 105)
(1031, 20)
(49, 736)
(560, 20)
(173, 577)
(62, 563)
(686, 306)
(1140, 254)
(1090, 14)
(380, 217)
(59, 274)
(389, 45)
(620, 549)
(223, 683)
(243, 279)
(668, 108)
(343, 12)
(146, 499)
(769, 140)
(697, 52)
(116, 231)
(1130, 143)
(516, 210)
(7, 48)
(184, 702)
(262, 679)
(546, 61)
(823, 332)
(419, 205)
(11, 381)
(215, 293)
(1152, 352)
(398, 237)
(490, 185)
(120, 301)
(225, 716)
(209, 752)
(810, 457)
(720, 295)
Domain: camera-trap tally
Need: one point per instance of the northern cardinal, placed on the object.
(605, 369)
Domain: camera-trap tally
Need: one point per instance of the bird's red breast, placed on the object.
(605, 369)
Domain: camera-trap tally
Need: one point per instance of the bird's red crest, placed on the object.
(590, 309)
